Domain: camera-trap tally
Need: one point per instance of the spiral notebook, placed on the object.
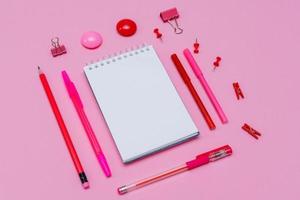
(140, 104)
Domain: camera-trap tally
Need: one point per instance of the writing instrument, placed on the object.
(201, 159)
(186, 79)
(73, 93)
(64, 130)
(197, 71)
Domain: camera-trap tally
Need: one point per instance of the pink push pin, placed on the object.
(91, 40)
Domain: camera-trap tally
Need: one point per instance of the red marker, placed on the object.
(193, 92)
(64, 130)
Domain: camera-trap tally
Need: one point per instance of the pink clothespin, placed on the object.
(57, 48)
(168, 16)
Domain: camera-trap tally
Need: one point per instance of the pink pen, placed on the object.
(200, 160)
(205, 85)
(85, 122)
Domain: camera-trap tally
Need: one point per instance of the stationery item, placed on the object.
(64, 130)
(157, 33)
(251, 131)
(217, 62)
(91, 40)
(170, 15)
(192, 90)
(238, 92)
(57, 49)
(126, 27)
(140, 104)
(196, 46)
(85, 122)
(196, 69)
(200, 160)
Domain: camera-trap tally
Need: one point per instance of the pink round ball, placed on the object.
(91, 40)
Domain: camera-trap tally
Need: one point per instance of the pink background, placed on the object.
(259, 43)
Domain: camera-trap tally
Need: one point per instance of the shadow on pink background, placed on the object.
(259, 43)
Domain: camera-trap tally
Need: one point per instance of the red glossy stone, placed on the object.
(126, 27)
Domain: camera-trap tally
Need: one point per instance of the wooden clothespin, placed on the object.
(254, 133)
(238, 90)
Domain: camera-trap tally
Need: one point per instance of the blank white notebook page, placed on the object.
(140, 104)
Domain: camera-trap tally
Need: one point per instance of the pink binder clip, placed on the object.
(58, 49)
(168, 16)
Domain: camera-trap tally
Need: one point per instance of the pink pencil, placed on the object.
(205, 85)
(86, 124)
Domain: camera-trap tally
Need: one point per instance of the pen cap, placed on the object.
(217, 153)
(180, 68)
(71, 88)
(197, 162)
(191, 60)
(209, 156)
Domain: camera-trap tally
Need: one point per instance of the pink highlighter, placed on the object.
(205, 85)
(85, 122)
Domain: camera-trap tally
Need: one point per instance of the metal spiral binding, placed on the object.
(133, 51)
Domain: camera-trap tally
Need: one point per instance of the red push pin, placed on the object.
(158, 34)
(217, 62)
(196, 46)
(57, 48)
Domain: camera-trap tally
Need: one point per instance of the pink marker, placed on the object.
(85, 122)
(205, 85)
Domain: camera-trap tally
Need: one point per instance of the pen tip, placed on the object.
(39, 70)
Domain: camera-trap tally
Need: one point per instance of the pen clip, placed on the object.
(75, 94)
(71, 89)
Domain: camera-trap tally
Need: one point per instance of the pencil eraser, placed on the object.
(86, 185)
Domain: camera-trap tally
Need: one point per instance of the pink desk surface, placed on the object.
(259, 43)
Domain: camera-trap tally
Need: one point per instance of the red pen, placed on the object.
(201, 159)
(64, 131)
(192, 90)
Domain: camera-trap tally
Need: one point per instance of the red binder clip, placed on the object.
(196, 46)
(158, 34)
(58, 49)
(238, 90)
(254, 133)
(168, 16)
